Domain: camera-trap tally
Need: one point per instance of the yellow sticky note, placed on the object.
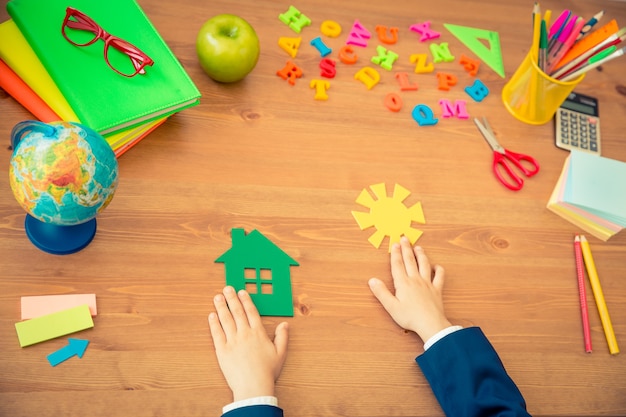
(54, 325)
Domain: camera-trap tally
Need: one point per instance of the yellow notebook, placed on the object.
(19, 56)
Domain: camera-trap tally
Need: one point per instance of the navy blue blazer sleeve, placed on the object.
(468, 378)
(255, 411)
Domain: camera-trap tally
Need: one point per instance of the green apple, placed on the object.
(227, 47)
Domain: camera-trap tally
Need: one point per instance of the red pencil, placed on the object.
(582, 293)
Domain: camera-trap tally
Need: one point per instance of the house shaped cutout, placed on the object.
(256, 264)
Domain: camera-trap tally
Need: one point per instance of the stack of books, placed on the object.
(43, 67)
(590, 194)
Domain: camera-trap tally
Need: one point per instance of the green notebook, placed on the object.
(103, 99)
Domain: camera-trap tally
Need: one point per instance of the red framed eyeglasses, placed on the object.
(123, 57)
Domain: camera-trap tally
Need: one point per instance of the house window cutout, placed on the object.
(258, 280)
(256, 264)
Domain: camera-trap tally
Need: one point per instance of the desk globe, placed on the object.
(63, 174)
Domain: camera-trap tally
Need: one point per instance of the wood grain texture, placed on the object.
(261, 154)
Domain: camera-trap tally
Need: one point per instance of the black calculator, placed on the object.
(578, 124)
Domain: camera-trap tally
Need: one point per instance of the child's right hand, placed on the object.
(418, 301)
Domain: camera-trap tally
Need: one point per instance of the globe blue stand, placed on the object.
(59, 240)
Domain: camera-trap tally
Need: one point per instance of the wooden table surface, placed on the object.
(262, 154)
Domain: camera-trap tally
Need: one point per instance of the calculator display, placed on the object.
(580, 107)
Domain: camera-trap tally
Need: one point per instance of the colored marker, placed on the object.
(557, 27)
(555, 50)
(567, 44)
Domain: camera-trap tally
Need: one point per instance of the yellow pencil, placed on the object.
(599, 296)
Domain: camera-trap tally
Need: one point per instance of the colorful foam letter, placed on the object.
(320, 89)
(405, 85)
(478, 91)
(441, 52)
(458, 109)
(358, 35)
(470, 65)
(425, 30)
(446, 80)
(384, 58)
(420, 63)
(387, 35)
(327, 66)
(321, 46)
(393, 102)
(423, 115)
(368, 76)
(330, 28)
(290, 72)
(290, 45)
(294, 19)
(347, 55)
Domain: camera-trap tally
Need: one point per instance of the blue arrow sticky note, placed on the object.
(75, 347)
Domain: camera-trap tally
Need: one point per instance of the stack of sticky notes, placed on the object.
(590, 194)
(49, 317)
(57, 80)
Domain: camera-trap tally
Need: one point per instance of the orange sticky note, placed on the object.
(41, 305)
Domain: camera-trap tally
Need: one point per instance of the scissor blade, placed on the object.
(488, 135)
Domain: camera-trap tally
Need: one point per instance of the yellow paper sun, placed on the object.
(389, 215)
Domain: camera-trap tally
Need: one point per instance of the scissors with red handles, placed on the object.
(503, 159)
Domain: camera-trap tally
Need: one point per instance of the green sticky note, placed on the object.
(54, 325)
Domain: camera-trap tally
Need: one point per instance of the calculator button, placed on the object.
(593, 146)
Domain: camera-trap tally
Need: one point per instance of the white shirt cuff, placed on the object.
(267, 400)
(440, 335)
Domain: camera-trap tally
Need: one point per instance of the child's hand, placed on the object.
(418, 303)
(249, 360)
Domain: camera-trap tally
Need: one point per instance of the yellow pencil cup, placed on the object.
(532, 96)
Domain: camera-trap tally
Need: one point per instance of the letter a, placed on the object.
(290, 45)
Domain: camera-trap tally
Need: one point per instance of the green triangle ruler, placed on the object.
(471, 37)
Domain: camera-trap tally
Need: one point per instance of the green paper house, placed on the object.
(256, 264)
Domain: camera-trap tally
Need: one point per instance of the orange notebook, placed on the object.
(21, 92)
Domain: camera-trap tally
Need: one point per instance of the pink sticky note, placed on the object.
(41, 305)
